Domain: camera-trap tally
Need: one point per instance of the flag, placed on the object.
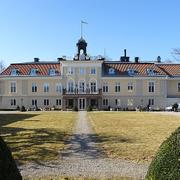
(83, 22)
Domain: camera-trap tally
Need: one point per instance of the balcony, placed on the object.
(80, 92)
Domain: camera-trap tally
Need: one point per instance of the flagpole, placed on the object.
(81, 29)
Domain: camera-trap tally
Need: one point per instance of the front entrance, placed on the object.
(82, 103)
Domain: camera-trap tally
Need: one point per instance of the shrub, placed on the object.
(23, 109)
(89, 108)
(75, 108)
(8, 168)
(166, 163)
(17, 108)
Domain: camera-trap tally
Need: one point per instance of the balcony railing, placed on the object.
(80, 91)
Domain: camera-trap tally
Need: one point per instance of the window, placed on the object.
(105, 87)
(52, 72)
(130, 102)
(151, 87)
(13, 102)
(13, 72)
(117, 87)
(34, 87)
(178, 87)
(93, 70)
(130, 71)
(58, 88)
(34, 102)
(150, 71)
(117, 102)
(46, 87)
(70, 70)
(151, 102)
(58, 102)
(105, 102)
(111, 71)
(81, 86)
(46, 102)
(70, 86)
(93, 87)
(33, 72)
(130, 86)
(13, 87)
(82, 71)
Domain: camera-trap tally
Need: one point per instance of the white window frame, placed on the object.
(70, 87)
(151, 101)
(46, 102)
(13, 87)
(34, 102)
(52, 72)
(118, 102)
(93, 70)
(93, 88)
(13, 102)
(117, 87)
(130, 102)
(105, 87)
(58, 102)
(33, 72)
(58, 88)
(178, 87)
(82, 71)
(46, 87)
(151, 89)
(111, 71)
(130, 87)
(70, 70)
(81, 88)
(105, 102)
(34, 87)
(14, 72)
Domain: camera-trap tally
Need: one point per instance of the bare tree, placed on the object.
(1, 66)
(176, 54)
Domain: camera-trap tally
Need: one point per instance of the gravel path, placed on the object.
(83, 158)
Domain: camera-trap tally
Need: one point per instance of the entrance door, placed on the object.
(82, 103)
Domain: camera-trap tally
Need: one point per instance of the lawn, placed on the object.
(133, 136)
(36, 136)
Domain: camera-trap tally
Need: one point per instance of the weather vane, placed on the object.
(82, 22)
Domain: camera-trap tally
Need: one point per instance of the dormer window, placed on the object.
(150, 71)
(14, 72)
(111, 71)
(52, 72)
(33, 72)
(130, 72)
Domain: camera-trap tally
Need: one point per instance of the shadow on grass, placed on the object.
(6, 119)
(88, 145)
(44, 144)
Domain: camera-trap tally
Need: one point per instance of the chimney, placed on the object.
(159, 59)
(136, 59)
(36, 60)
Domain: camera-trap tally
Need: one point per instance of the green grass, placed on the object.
(134, 136)
(36, 136)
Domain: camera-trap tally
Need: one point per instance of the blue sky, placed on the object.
(50, 28)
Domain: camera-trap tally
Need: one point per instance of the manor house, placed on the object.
(85, 81)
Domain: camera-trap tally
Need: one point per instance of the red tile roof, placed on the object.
(171, 69)
(140, 69)
(24, 68)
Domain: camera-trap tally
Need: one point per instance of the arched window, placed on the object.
(58, 88)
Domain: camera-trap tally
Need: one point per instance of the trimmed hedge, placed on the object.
(8, 168)
(166, 164)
